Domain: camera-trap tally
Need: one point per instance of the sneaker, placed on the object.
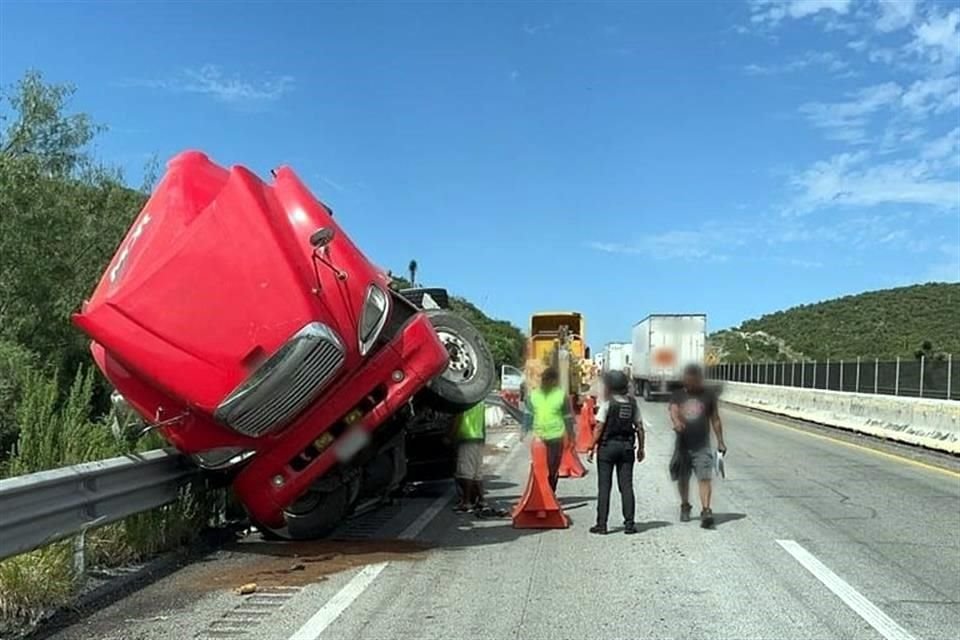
(685, 513)
(706, 518)
(599, 529)
(630, 529)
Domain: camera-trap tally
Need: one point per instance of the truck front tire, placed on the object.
(470, 376)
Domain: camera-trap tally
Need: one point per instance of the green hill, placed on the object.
(884, 324)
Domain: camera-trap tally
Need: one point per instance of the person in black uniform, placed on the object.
(617, 439)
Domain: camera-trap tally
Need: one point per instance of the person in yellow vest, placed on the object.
(550, 418)
(470, 433)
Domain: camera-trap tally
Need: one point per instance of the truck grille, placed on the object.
(286, 383)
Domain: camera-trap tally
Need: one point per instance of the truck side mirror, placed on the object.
(322, 237)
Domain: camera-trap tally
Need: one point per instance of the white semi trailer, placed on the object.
(663, 344)
(616, 356)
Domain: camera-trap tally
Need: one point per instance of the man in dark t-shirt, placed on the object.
(693, 412)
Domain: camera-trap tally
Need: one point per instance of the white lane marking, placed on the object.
(884, 624)
(339, 603)
(342, 599)
(418, 525)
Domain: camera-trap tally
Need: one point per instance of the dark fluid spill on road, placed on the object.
(295, 564)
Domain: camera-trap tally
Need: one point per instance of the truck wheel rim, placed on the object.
(463, 358)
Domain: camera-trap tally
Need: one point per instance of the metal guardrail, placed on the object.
(40, 508)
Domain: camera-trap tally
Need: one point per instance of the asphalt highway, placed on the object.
(815, 538)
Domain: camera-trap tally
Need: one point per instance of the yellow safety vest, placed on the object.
(548, 410)
(473, 424)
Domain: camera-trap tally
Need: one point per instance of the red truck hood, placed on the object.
(214, 275)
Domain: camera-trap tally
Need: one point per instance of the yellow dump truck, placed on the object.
(557, 339)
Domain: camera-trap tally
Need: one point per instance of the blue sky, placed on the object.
(620, 159)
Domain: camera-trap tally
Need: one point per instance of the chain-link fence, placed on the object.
(923, 378)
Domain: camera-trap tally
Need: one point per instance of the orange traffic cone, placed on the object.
(538, 508)
(570, 465)
(585, 426)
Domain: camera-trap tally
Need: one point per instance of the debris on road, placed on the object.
(246, 589)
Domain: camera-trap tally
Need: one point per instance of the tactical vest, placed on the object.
(619, 422)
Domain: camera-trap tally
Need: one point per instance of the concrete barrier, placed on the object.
(919, 421)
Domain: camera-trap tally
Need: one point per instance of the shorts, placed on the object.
(470, 461)
(685, 461)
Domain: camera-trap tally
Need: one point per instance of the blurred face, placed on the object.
(692, 381)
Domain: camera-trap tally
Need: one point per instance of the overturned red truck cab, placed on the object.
(241, 322)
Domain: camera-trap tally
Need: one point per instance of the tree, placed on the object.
(412, 268)
(62, 218)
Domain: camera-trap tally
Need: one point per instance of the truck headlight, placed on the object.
(376, 308)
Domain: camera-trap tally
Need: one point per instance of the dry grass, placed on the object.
(33, 582)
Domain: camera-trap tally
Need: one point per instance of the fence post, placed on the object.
(876, 375)
(813, 383)
(783, 374)
(857, 383)
(949, 372)
(840, 381)
(803, 373)
(922, 362)
(896, 380)
(793, 371)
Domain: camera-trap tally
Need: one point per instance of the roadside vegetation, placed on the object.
(909, 322)
(62, 214)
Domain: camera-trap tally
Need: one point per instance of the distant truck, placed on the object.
(663, 344)
(616, 356)
(557, 339)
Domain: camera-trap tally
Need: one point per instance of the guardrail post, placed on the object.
(896, 380)
(923, 360)
(857, 383)
(79, 554)
(876, 375)
(949, 373)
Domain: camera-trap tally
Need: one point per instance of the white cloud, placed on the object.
(803, 8)
(935, 95)
(848, 180)
(686, 245)
(772, 12)
(333, 184)
(939, 37)
(534, 29)
(851, 120)
(848, 121)
(822, 59)
(895, 14)
(211, 81)
(946, 148)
